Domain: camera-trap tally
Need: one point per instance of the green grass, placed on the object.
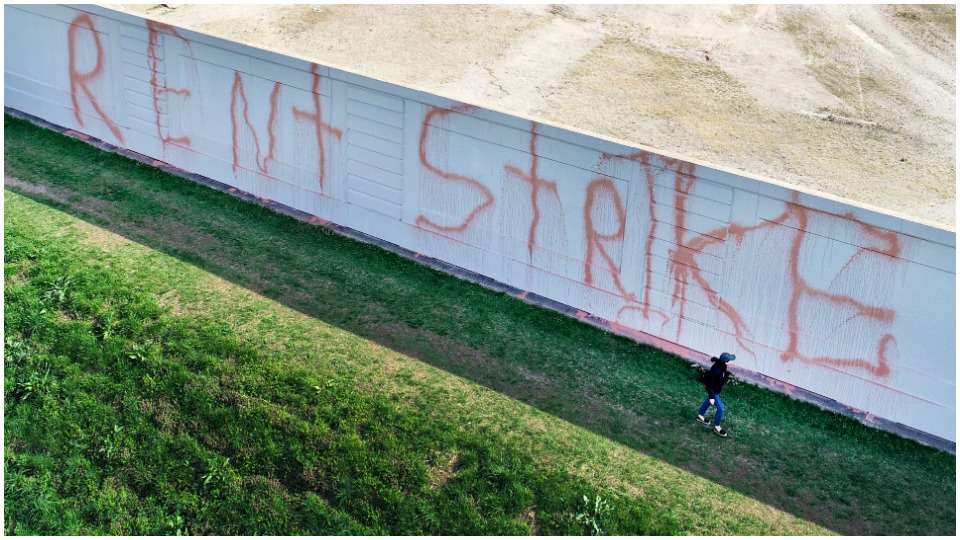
(178, 360)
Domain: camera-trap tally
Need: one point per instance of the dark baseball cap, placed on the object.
(727, 357)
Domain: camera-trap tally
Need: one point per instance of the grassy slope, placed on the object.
(354, 391)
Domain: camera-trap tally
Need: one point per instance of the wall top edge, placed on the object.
(919, 227)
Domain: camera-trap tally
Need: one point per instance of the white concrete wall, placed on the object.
(846, 302)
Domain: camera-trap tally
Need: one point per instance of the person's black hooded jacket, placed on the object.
(716, 377)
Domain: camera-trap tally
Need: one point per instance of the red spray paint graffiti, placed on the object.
(536, 183)
(488, 198)
(682, 259)
(153, 60)
(239, 101)
(238, 92)
(801, 289)
(598, 189)
(316, 117)
(643, 159)
(684, 267)
(80, 81)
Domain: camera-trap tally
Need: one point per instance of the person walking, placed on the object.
(713, 382)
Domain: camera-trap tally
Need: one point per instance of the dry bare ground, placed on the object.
(855, 101)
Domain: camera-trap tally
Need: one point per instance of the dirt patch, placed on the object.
(442, 468)
(63, 196)
(178, 233)
(99, 237)
(165, 414)
(533, 376)
(16, 279)
(529, 517)
(739, 86)
(91, 234)
(171, 301)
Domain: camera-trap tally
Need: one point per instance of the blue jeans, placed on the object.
(717, 418)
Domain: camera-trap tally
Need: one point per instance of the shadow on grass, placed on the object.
(819, 466)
